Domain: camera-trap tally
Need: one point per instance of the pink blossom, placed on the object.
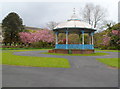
(41, 35)
(116, 32)
(106, 40)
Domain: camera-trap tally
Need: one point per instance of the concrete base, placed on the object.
(71, 51)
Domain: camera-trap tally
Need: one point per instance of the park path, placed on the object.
(75, 61)
(85, 71)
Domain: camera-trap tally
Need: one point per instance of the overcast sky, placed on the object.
(38, 14)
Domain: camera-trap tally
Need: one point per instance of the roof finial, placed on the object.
(73, 10)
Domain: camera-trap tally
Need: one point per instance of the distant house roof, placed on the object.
(32, 28)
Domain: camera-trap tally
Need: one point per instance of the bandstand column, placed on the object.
(92, 37)
(56, 33)
(82, 37)
(66, 39)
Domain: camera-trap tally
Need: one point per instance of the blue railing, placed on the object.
(74, 46)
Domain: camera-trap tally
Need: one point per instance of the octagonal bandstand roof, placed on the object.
(74, 23)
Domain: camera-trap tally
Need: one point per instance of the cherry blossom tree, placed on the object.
(41, 35)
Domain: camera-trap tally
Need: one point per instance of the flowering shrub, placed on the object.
(109, 38)
(106, 40)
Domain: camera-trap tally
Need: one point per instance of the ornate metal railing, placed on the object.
(74, 46)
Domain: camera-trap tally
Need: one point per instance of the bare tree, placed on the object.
(51, 25)
(93, 14)
(87, 13)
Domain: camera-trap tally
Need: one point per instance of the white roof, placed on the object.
(73, 22)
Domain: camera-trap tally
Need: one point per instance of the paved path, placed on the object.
(85, 71)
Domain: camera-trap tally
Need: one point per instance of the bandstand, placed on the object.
(74, 25)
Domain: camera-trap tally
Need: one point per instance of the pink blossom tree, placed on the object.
(106, 40)
(41, 35)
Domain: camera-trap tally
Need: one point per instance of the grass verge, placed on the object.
(113, 62)
(9, 59)
(92, 54)
(108, 50)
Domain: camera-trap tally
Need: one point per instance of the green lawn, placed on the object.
(0, 57)
(92, 54)
(22, 49)
(108, 50)
(9, 59)
(110, 61)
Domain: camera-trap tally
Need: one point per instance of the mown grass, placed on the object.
(113, 62)
(9, 59)
(92, 54)
(0, 57)
(23, 48)
(107, 50)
